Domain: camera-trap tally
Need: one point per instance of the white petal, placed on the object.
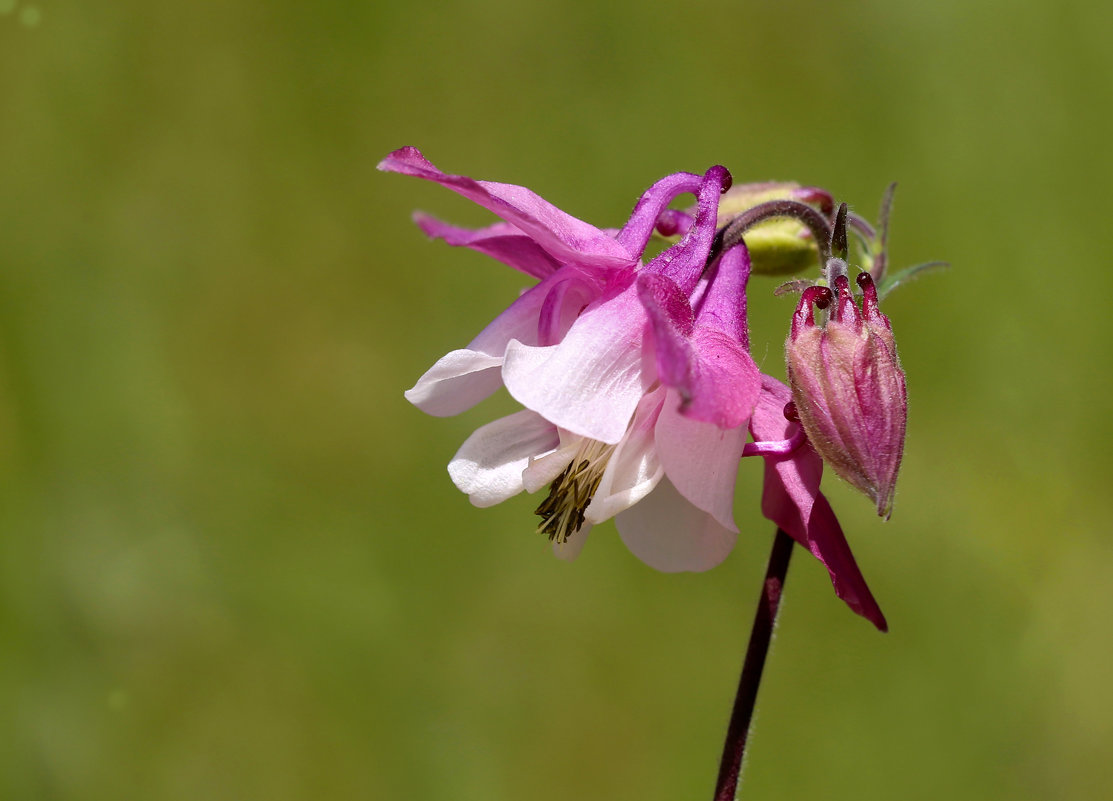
(701, 460)
(591, 382)
(670, 534)
(634, 468)
(459, 380)
(462, 378)
(489, 465)
(544, 469)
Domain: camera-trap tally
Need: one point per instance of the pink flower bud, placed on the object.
(849, 388)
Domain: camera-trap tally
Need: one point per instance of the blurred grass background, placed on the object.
(232, 565)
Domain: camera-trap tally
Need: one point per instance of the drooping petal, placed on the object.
(562, 236)
(671, 535)
(791, 499)
(635, 234)
(701, 460)
(488, 466)
(501, 241)
(634, 468)
(592, 381)
(727, 381)
(828, 544)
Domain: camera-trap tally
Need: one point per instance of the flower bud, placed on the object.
(779, 246)
(849, 388)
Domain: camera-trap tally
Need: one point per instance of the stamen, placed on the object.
(571, 492)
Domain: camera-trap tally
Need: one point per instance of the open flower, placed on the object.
(849, 388)
(639, 411)
(574, 261)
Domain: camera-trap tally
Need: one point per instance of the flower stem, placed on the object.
(730, 768)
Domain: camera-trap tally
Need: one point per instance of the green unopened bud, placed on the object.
(778, 246)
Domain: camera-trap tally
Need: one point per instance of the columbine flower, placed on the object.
(575, 262)
(848, 386)
(638, 410)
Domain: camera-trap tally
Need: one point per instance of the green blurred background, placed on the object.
(232, 565)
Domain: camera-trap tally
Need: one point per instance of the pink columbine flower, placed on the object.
(638, 413)
(636, 402)
(848, 386)
(575, 263)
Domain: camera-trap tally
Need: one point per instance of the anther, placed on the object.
(790, 412)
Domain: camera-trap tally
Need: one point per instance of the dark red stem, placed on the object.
(730, 768)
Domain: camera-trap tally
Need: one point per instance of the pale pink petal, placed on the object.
(634, 468)
(701, 460)
(563, 236)
(462, 378)
(670, 534)
(501, 241)
(488, 466)
(592, 381)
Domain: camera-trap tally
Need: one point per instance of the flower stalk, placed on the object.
(761, 635)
